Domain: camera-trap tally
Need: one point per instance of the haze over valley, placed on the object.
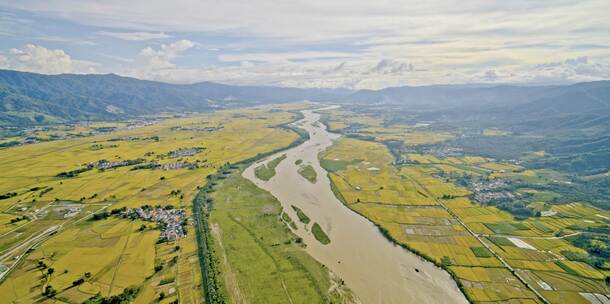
(304, 152)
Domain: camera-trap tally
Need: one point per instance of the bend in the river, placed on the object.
(375, 269)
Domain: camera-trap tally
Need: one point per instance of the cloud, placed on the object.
(389, 66)
(351, 43)
(134, 36)
(38, 59)
(285, 56)
(490, 75)
(570, 70)
(156, 63)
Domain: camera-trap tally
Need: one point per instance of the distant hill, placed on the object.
(580, 105)
(28, 98)
(522, 101)
(437, 97)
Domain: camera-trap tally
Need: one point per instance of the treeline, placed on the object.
(74, 173)
(7, 195)
(202, 205)
(597, 245)
(127, 296)
(102, 215)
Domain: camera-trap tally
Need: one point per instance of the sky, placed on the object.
(355, 44)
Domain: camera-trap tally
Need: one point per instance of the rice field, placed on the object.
(423, 226)
(113, 252)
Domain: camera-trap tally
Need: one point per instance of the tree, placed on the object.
(50, 271)
(49, 291)
(445, 261)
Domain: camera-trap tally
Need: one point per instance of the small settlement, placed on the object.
(171, 221)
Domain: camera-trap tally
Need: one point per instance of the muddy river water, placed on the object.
(376, 270)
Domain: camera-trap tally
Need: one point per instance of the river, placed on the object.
(375, 269)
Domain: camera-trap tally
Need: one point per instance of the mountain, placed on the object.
(579, 105)
(437, 97)
(28, 98)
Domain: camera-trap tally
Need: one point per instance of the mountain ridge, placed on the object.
(30, 98)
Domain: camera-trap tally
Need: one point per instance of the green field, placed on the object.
(426, 203)
(114, 253)
(267, 171)
(260, 260)
(309, 173)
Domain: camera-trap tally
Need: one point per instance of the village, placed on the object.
(492, 191)
(170, 220)
(185, 152)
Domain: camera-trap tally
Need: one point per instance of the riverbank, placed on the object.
(374, 268)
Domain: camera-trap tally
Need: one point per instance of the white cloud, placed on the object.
(393, 67)
(576, 69)
(134, 36)
(156, 63)
(340, 43)
(38, 59)
(285, 56)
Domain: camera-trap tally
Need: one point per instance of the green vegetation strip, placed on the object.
(501, 241)
(319, 234)
(266, 172)
(336, 165)
(481, 252)
(301, 215)
(202, 205)
(286, 218)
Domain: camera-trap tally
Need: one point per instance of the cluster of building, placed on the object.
(443, 151)
(139, 124)
(493, 197)
(492, 191)
(200, 129)
(177, 165)
(134, 138)
(490, 185)
(172, 221)
(72, 211)
(104, 164)
(184, 152)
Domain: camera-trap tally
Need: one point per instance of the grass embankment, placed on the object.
(259, 258)
(266, 172)
(309, 173)
(319, 234)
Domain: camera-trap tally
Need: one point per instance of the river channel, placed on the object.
(375, 269)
